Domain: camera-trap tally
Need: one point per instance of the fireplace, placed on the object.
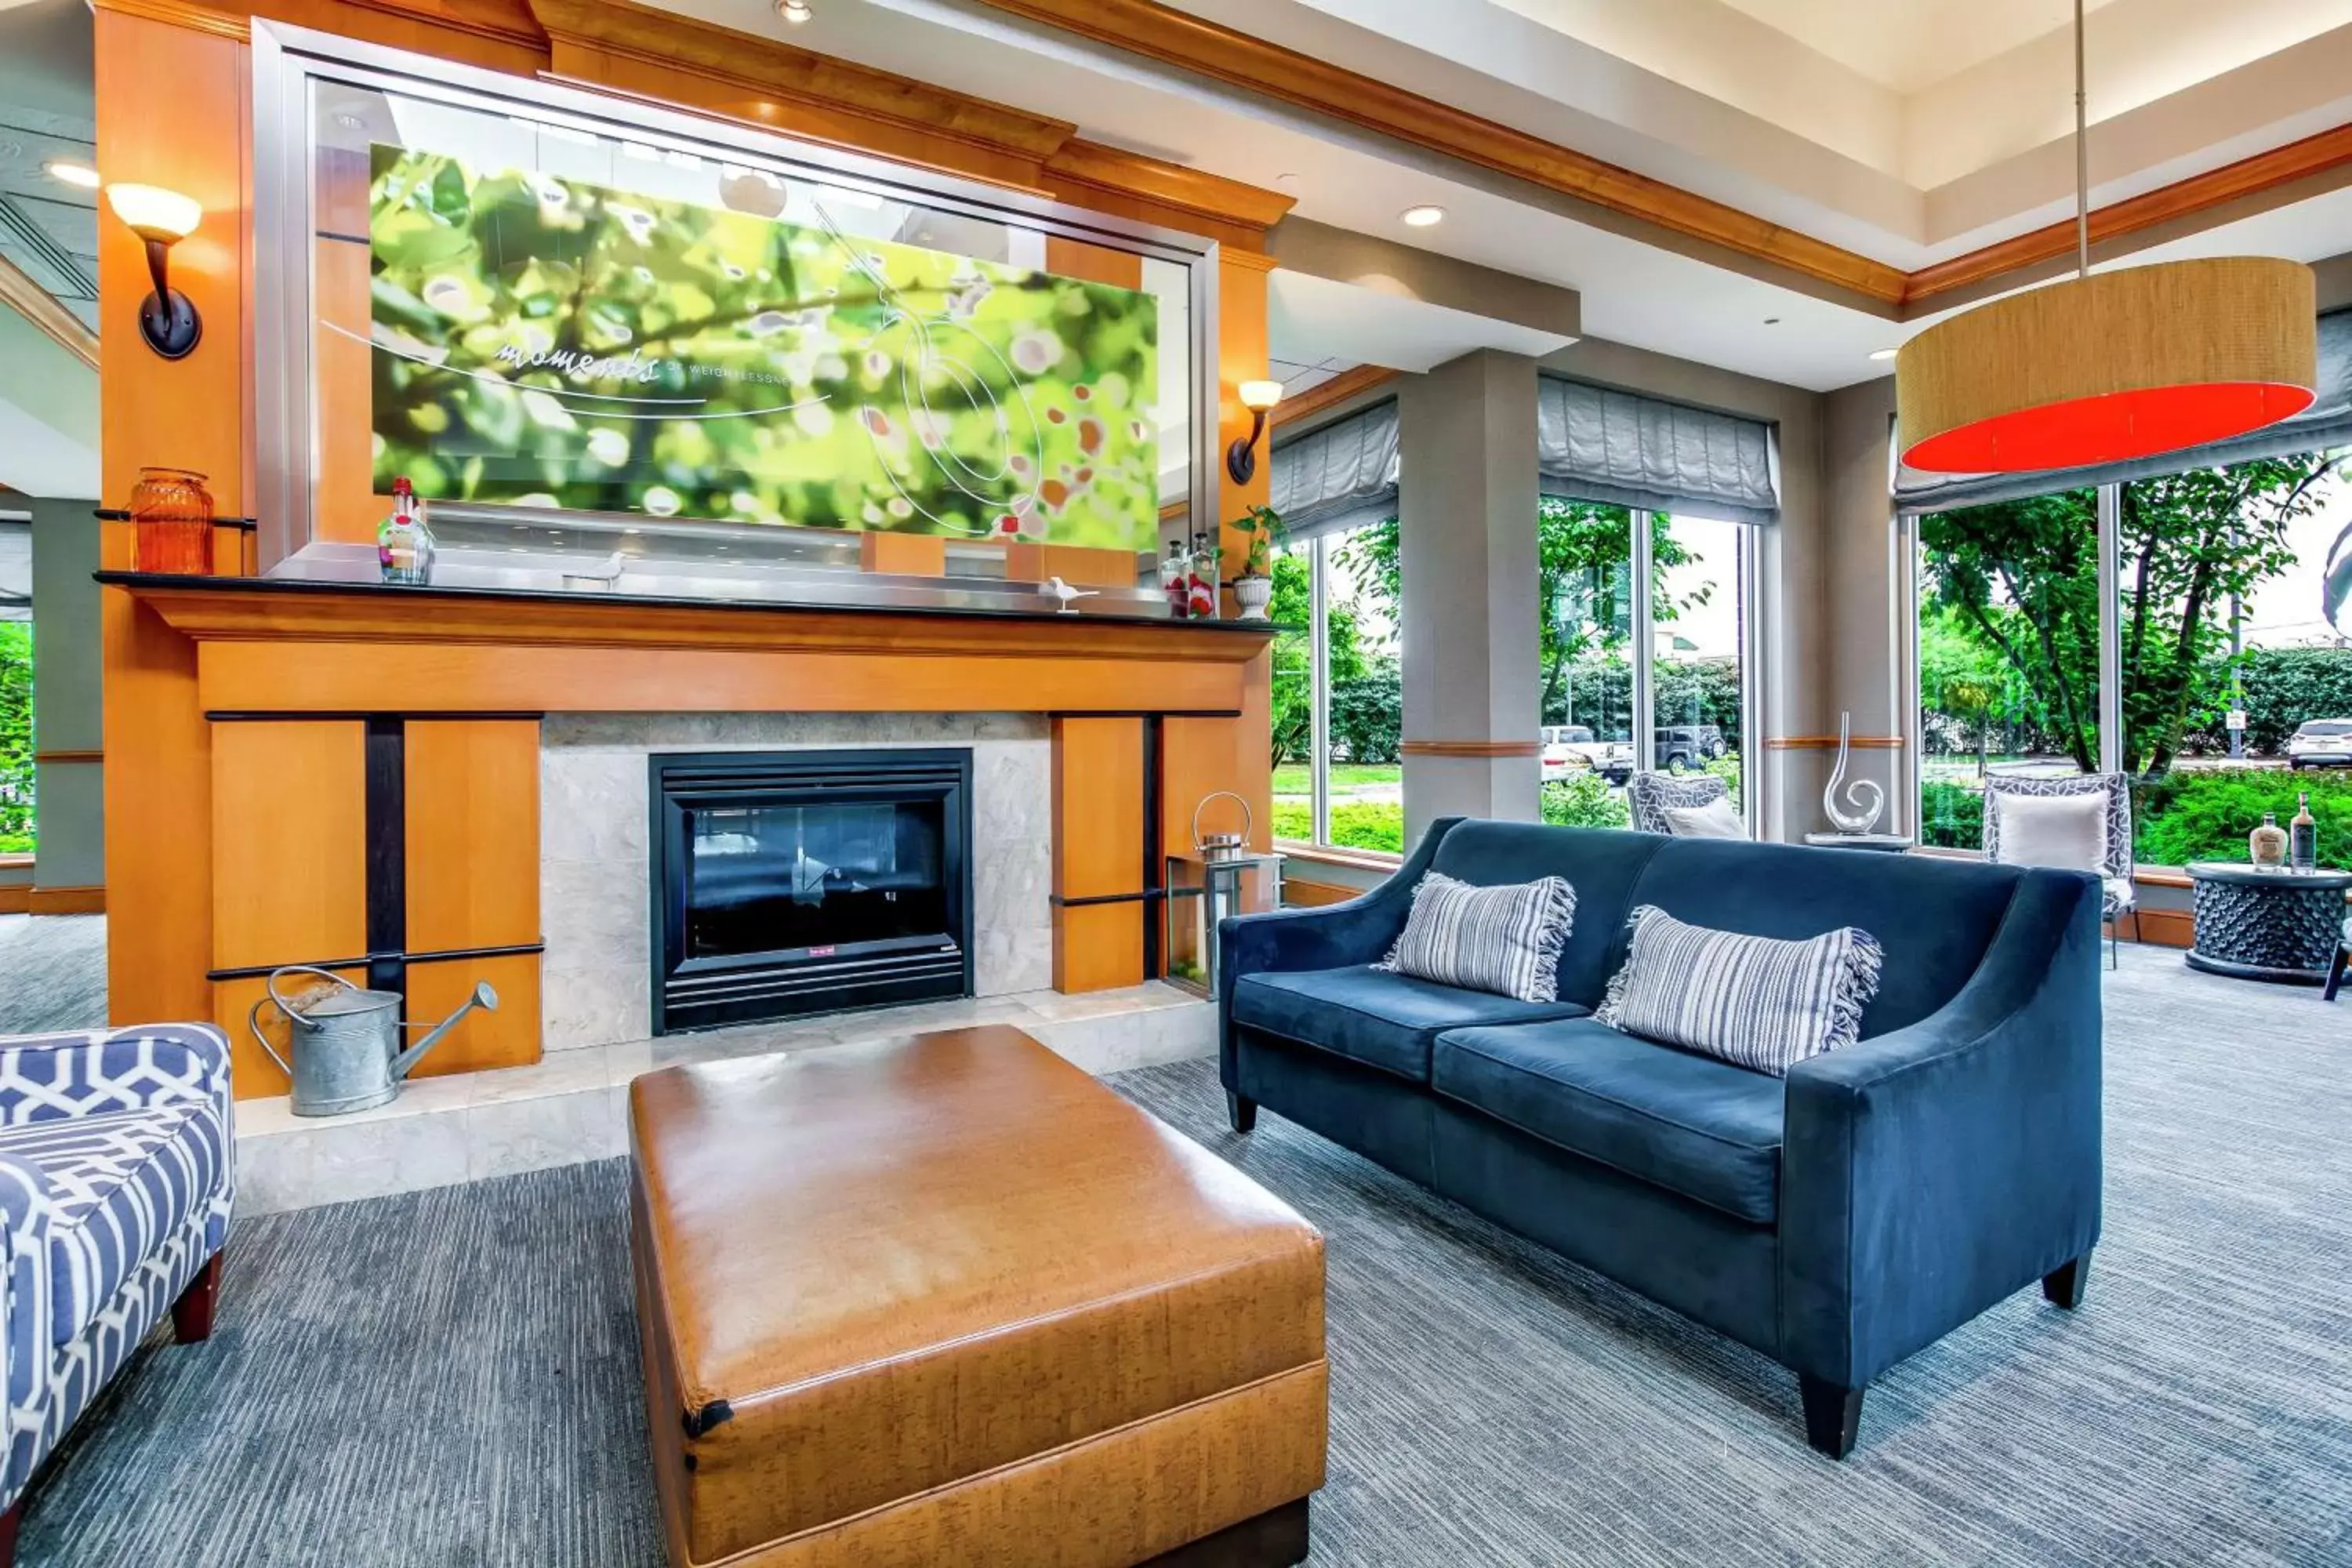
(788, 883)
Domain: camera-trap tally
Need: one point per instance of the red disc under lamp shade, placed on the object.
(2117, 366)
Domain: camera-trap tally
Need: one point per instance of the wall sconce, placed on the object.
(1241, 457)
(167, 318)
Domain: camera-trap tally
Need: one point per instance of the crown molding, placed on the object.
(1235, 59)
(181, 14)
(764, 65)
(2320, 157)
(1166, 184)
(1157, 31)
(51, 319)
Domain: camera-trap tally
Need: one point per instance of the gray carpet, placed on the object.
(450, 1378)
(52, 972)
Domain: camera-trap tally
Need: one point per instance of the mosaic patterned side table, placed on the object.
(2267, 925)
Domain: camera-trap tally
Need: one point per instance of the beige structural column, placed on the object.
(1867, 598)
(1467, 510)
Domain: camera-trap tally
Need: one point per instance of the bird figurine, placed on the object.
(1056, 589)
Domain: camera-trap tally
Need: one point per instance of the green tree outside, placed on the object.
(17, 828)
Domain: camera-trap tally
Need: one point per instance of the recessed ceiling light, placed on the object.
(1886, 354)
(1422, 217)
(794, 11)
(72, 173)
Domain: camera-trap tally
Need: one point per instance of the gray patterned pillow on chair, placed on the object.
(1756, 1002)
(1651, 795)
(1506, 939)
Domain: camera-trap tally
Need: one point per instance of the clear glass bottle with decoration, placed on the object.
(404, 544)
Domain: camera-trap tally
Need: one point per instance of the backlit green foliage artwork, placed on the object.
(550, 342)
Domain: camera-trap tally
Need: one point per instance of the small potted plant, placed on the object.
(1253, 589)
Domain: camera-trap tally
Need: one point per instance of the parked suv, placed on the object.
(2321, 743)
(1686, 746)
(1570, 749)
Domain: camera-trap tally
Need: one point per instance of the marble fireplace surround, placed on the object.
(595, 908)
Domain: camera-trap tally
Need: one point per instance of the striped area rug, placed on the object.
(450, 1378)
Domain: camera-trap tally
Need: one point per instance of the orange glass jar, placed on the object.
(172, 523)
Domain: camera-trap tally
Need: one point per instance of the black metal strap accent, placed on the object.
(387, 852)
(1145, 714)
(366, 960)
(1149, 895)
(715, 1414)
(116, 514)
(1155, 857)
(299, 716)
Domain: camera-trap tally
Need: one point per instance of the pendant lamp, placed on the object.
(2127, 363)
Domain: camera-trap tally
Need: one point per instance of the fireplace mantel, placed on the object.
(479, 650)
(349, 775)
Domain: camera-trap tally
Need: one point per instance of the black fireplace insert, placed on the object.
(788, 883)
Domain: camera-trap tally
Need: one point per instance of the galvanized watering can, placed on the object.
(346, 1041)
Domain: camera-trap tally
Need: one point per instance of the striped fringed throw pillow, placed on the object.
(1754, 1001)
(1506, 939)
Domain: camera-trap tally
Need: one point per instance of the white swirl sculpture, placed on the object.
(1863, 799)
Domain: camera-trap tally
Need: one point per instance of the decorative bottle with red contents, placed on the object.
(1200, 585)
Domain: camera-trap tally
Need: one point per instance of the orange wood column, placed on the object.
(471, 833)
(290, 876)
(172, 111)
(1098, 854)
(1240, 356)
(1200, 756)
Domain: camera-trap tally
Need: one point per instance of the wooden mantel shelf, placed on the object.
(283, 646)
(299, 610)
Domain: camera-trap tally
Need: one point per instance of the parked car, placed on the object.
(1570, 749)
(2321, 743)
(1686, 746)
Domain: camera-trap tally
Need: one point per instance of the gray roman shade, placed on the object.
(1338, 476)
(1598, 445)
(2327, 423)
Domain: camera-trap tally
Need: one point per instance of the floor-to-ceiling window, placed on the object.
(1585, 582)
(2007, 651)
(2230, 586)
(1594, 669)
(2223, 688)
(1699, 632)
(1339, 692)
(16, 832)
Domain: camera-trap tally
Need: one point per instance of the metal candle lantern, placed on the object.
(1222, 875)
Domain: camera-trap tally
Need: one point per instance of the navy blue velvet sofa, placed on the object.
(1837, 1220)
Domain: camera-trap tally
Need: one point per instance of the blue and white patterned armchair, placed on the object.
(116, 1180)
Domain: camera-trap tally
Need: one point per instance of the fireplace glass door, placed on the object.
(766, 878)
(787, 883)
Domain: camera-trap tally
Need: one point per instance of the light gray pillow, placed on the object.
(1757, 1002)
(1505, 939)
(2065, 831)
(1716, 819)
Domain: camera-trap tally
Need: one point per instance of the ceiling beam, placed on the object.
(52, 320)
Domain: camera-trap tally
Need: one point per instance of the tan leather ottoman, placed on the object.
(948, 1301)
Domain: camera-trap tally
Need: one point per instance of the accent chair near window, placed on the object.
(1838, 1219)
(2025, 824)
(1650, 797)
